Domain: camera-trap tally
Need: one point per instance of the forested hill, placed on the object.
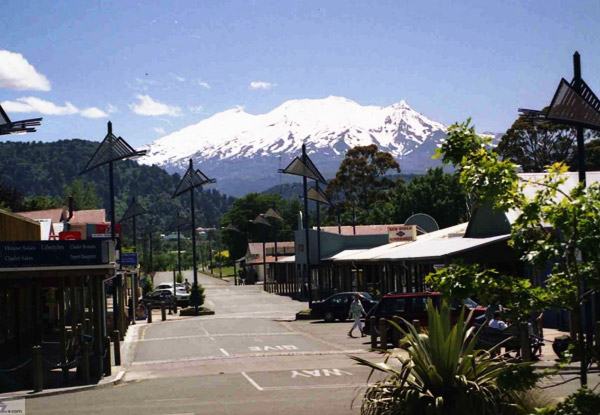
(36, 168)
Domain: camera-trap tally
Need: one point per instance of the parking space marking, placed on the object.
(211, 336)
(317, 373)
(252, 382)
(207, 333)
(225, 352)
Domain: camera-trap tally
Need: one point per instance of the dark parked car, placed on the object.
(410, 307)
(338, 305)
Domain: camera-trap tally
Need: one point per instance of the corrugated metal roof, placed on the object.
(437, 248)
(383, 250)
(343, 254)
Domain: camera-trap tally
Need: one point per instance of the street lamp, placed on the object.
(17, 127)
(112, 149)
(191, 180)
(232, 228)
(304, 167)
(316, 194)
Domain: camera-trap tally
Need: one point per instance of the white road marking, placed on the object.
(246, 355)
(225, 352)
(171, 399)
(212, 336)
(207, 333)
(252, 382)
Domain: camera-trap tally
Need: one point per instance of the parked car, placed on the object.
(166, 295)
(338, 305)
(169, 286)
(410, 307)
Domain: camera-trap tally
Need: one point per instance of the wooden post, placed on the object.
(117, 346)
(525, 342)
(417, 325)
(61, 321)
(373, 326)
(383, 333)
(85, 362)
(597, 335)
(107, 357)
(38, 370)
(163, 311)
(149, 308)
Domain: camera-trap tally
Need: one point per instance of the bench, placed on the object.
(509, 339)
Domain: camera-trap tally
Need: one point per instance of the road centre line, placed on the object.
(252, 382)
(285, 333)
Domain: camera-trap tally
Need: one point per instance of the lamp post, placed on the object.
(316, 194)
(192, 179)
(133, 210)
(260, 220)
(112, 149)
(304, 167)
(232, 228)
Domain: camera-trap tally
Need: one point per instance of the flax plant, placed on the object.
(444, 374)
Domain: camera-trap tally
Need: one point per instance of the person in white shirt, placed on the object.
(496, 323)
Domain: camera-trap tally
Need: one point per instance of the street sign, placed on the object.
(129, 259)
(401, 233)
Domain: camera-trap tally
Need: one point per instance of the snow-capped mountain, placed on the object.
(244, 151)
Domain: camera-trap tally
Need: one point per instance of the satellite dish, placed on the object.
(424, 222)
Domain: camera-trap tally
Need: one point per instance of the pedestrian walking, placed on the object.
(187, 286)
(356, 312)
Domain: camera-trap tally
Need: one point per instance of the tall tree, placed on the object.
(84, 194)
(10, 198)
(536, 146)
(361, 179)
(437, 194)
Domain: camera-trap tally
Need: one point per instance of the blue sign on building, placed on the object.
(129, 259)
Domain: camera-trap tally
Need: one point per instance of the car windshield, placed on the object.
(470, 303)
(366, 296)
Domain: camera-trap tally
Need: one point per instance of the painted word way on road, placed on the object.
(272, 348)
(319, 372)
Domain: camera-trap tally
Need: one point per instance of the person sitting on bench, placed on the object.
(496, 323)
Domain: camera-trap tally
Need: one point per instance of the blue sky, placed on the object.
(154, 67)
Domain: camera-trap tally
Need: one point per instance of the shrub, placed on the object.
(444, 374)
(197, 296)
(582, 402)
(148, 287)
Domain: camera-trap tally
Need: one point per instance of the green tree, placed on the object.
(437, 194)
(84, 194)
(10, 198)
(361, 180)
(553, 227)
(42, 202)
(536, 146)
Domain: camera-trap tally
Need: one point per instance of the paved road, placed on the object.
(251, 357)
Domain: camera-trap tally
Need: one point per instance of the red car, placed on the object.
(413, 306)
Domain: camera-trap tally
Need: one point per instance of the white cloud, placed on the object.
(111, 109)
(93, 112)
(196, 109)
(17, 73)
(148, 106)
(32, 104)
(160, 130)
(203, 84)
(177, 77)
(261, 85)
